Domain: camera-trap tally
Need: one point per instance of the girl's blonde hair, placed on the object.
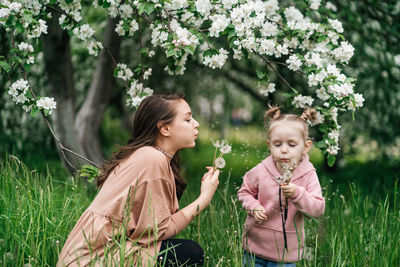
(273, 114)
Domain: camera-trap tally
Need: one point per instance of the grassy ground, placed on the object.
(37, 211)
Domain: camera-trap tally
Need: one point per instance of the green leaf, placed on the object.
(320, 144)
(288, 95)
(106, 4)
(323, 128)
(294, 91)
(322, 38)
(4, 65)
(189, 49)
(331, 160)
(89, 172)
(149, 8)
(210, 52)
(19, 26)
(141, 8)
(261, 75)
(34, 112)
(170, 52)
(231, 34)
(138, 70)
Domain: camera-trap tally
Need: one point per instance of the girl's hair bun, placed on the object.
(309, 114)
(273, 112)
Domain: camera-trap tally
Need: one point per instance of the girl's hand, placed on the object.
(289, 190)
(209, 183)
(259, 214)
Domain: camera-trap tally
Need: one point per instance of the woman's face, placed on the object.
(184, 128)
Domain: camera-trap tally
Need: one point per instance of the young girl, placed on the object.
(277, 191)
(137, 205)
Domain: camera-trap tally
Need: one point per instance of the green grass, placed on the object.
(37, 212)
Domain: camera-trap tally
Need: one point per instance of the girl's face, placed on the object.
(287, 143)
(184, 128)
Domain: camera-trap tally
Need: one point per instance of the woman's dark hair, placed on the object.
(145, 131)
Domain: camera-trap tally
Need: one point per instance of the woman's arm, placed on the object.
(208, 186)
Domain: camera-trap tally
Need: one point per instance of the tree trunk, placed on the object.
(90, 116)
(58, 65)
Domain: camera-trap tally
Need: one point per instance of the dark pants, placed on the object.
(180, 252)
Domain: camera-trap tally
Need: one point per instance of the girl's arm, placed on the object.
(248, 192)
(309, 199)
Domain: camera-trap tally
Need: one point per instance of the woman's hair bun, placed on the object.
(309, 114)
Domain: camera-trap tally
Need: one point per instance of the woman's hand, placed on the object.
(288, 190)
(209, 183)
(259, 214)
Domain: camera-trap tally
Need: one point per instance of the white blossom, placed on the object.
(344, 52)
(294, 63)
(334, 135)
(147, 74)
(134, 27)
(47, 103)
(322, 94)
(124, 72)
(216, 61)
(24, 46)
(334, 113)
(137, 92)
(219, 23)
(30, 60)
(38, 29)
(4, 12)
(15, 6)
(94, 47)
(267, 89)
(126, 11)
(281, 50)
(267, 47)
(293, 14)
(203, 6)
(340, 91)
(83, 32)
(336, 25)
(301, 101)
(330, 6)
(19, 87)
(314, 4)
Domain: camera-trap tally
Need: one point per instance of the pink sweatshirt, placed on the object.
(260, 188)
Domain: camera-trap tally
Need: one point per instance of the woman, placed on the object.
(136, 212)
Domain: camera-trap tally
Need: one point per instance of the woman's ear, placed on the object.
(164, 128)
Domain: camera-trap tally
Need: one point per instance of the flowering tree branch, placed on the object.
(312, 46)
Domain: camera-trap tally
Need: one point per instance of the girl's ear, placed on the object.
(307, 146)
(269, 144)
(164, 129)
